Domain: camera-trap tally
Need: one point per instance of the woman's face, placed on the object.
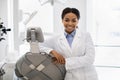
(70, 22)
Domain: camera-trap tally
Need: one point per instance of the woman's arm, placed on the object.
(48, 47)
(86, 60)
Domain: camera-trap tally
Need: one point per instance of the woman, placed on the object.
(73, 48)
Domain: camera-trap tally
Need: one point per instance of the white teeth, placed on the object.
(69, 27)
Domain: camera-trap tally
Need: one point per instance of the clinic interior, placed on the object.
(101, 18)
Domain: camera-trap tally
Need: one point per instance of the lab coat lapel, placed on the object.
(76, 40)
(64, 44)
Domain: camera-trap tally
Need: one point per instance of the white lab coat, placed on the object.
(79, 57)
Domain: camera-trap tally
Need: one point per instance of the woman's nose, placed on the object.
(70, 23)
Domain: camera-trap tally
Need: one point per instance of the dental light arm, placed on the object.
(30, 17)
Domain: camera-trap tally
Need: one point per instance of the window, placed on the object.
(103, 22)
(105, 31)
(108, 22)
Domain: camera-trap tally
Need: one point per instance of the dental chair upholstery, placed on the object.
(36, 65)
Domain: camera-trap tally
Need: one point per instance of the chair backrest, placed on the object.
(34, 35)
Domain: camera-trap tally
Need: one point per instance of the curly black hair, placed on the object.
(70, 10)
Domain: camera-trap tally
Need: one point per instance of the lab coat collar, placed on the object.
(72, 34)
(74, 43)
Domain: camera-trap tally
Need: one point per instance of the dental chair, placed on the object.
(36, 65)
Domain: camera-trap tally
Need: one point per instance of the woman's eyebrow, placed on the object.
(74, 18)
(66, 18)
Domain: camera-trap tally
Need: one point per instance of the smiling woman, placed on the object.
(73, 48)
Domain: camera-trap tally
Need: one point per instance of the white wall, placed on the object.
(3, 11)
(15, 24)
(3, 16)
(58, 7)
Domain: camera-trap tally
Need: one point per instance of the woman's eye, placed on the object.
(66, 20)
(74, 20)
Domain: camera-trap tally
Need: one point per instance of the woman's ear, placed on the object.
(76, 26)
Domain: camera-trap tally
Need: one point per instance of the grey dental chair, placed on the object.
(36, 65)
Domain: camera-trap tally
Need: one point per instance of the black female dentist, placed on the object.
(73, 48)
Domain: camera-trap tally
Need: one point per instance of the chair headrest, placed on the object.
(34, 34)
